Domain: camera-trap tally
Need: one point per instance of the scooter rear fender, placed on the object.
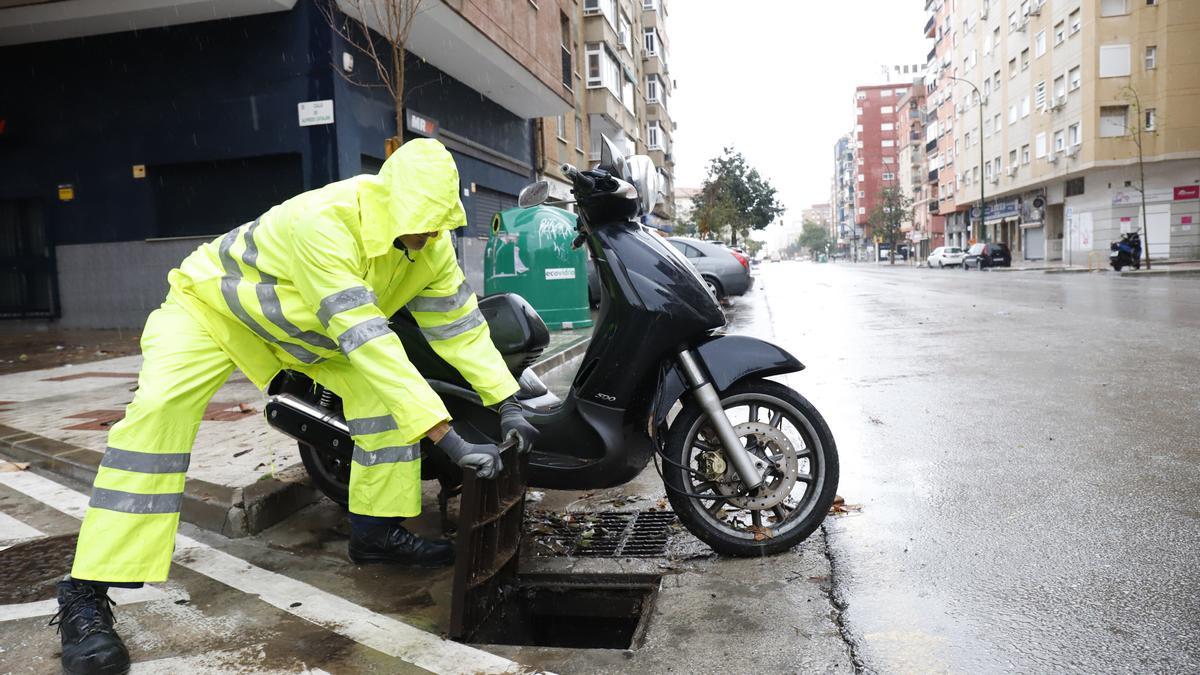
(728, 359)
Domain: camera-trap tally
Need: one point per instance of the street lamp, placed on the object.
(982, 180)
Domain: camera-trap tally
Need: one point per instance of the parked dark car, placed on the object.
(983, 256)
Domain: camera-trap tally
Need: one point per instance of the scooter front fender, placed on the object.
(728, 359)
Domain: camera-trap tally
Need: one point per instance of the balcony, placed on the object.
(933, 206)
(931, 145)
(933, 176)
(931, 27)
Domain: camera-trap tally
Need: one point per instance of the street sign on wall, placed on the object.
(313, 113)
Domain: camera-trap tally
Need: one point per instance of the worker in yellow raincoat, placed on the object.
(308, 286)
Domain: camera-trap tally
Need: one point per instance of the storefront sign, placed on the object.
(1187, 192)
(420, 124)
(1131, 196)
(66, 192)
(313, 113)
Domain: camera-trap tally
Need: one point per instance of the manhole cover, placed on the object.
(29, 571)
(611, 534)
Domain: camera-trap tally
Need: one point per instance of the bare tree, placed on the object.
(1135, 134)
(354, 20)
(888, 215)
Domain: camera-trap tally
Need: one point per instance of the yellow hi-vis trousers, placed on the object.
(128, 533)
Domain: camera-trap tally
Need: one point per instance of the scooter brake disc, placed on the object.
(774, 457)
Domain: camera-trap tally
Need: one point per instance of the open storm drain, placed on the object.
(612, 534)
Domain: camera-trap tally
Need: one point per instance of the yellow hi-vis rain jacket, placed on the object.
(308, 286)
(317, 277)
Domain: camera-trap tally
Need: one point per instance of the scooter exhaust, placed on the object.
(309, 424)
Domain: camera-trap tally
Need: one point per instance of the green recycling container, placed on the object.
(529, 253)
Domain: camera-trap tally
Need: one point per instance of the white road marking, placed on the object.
(382, 633)
(122, 596)
(13, 531)
(240, 660)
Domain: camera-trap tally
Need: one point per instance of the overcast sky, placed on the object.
(775, 79)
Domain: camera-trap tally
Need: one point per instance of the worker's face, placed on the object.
(416, 242)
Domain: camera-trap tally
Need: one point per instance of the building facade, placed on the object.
(1068, 90)
(614, 67)
(847, 233)
(875, 151)
(132, 133)
(925, 230)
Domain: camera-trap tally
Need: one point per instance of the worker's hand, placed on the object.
(483, 458)
(514, 425)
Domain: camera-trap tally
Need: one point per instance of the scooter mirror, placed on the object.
(534, 194)
(612, 159)
(645, 178)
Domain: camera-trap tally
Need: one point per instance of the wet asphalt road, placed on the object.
(1026, 451)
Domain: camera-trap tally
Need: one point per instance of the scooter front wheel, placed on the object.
(790, 444)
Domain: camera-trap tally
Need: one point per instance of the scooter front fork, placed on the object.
(710, 402)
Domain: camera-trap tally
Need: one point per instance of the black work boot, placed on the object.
(85, 623)
(391, 543)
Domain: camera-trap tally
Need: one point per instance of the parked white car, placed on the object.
(945, 256)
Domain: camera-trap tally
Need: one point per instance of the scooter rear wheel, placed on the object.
(329, 474)
(788, 439)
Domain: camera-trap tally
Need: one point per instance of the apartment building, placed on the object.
(875, 149)
(133, 132)
(845, 232)
(925, 230)
(615, 56)
(1065, 86)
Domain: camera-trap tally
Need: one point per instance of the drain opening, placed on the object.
(575, 611)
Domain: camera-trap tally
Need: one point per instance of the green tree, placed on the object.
(814, 238)
(888, 215)
(734, 195)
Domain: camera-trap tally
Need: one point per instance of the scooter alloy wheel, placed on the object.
(788, 440)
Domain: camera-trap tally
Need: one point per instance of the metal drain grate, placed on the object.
(611, 534)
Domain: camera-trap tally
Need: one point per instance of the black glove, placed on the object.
(483, 458)
(513, 423)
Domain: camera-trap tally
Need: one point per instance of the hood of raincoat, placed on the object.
(416, 191)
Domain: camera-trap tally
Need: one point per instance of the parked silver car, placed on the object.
(726, 272)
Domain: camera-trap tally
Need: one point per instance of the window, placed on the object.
(1151, 2)
(861, 178)
(997, 122)
(996, 38)
(885, 92)
(887, 143)
(1151, 57)
(862, 194)
(987, 169)
(1012, 114)
(1039, 95)
(889, 176)
(1012, 67)
(1075, 19)
(1039, 144)
(653, 135)
(602, 69)
(887, 126)
(858, 128)
(649, 4)
(889, 160)
(901, 92)
(1039, 44)
(862, 210)
(1060, 141)
(628, 92)
(860, 95)
(606, 7)
(1151, 122)
(1113, 7)
(652, 88)
(886, 110)
(1060, 33)
(562, 127)
(1025, 154)
(1074, 187)
(624, 33)
(579, 133)
(1025, 59)
(1114, 60)
(1113, 120)
(1012, 21)
(1073, 78)
(996, 77)
(1012, 158)
(987, 127)
(1025, 107)
(1074, 136)
(987, 86)
(1060, 88)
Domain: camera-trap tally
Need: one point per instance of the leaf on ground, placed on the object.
(245, 407)
(13, 467)
(761, 533)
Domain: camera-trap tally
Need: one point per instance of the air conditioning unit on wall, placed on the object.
(1072, 150)
(1012, 171)
(1052, 158)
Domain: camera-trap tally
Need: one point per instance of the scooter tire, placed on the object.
(691, 512)
(331, 483)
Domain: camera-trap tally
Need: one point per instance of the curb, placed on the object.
(1159, 273)
(232, 512)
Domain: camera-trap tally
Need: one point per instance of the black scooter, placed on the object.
(1126, 252)
(749, 465)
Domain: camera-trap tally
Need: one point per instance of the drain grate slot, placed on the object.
(610, 534)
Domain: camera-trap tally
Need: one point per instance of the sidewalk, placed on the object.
(243, 477)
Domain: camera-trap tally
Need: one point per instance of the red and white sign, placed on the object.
(1185, 220)
(1187, 192)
